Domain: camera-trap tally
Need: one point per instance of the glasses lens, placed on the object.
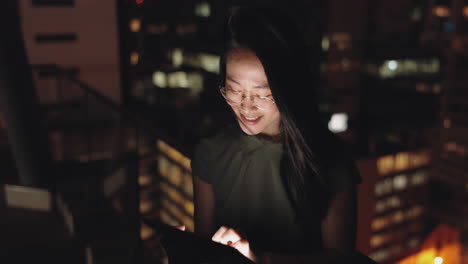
(235, 97)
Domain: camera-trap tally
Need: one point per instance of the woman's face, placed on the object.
(245, 74)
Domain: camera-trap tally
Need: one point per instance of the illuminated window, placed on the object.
(398, 217)
(177, 80)
(209, 62)
(447, 123)
(380, 255)
(465, 11)
(379, 223)
(186, 29)
(383, 187)
(159, 79)
(157, 28)
(134, 58)
(415, 211)
(195, 82)
(341, 40)
(177, 57)
(441, 11)
(402, 161)
(380, 206)
(203, 9)
(135, 25)
(419, 178)
(385, 164)
(452, 146)
(325, 43)
(437, 88)
(376, 241)
(393, 202)
(399, 182)
(422, 87)
(416, 15)
(413, 242)
(338, 122)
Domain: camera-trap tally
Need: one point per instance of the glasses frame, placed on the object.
(222, 90)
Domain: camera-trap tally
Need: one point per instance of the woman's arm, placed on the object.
(339, 225)
(204, 207)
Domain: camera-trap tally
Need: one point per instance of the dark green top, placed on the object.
(245, 174)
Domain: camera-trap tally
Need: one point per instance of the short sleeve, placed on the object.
(201, 162)
(343, 173)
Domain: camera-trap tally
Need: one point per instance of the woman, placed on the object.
(279, 186)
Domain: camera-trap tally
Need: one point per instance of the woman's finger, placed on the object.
(218, 235)
(227, 236)
(230, 236)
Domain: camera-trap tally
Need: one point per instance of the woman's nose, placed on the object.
(247, 102)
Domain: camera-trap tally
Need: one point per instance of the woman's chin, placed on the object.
(247, 130)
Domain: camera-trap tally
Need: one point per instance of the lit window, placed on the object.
(383, 187)
(342, 40)
(186, 29)
(209, 62)
(393, 202)
(441, 11)
(385, 164)
(325, 43)
(415, 211)
(381, 255)
(380, 206)
(135, 25)
(157, 28)
(416, 15)
(177, 57)
(134, 58)
(379, 223)
(437, 88)
(376, 241)
(413, 242)
(195, 82)
(398, 217)
(465, 11)
(402, 161)
(159, 79)
(177, 80)
(419, 178)
(203, 9)
(338, 122)
(399, 182)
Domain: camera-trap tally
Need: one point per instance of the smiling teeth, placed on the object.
(251, 118)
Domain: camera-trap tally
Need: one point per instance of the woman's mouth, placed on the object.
(250, 120)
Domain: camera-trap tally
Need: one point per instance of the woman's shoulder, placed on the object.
(209, 150)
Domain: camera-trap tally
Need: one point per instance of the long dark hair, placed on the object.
(278, 43)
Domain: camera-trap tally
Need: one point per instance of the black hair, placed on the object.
(278, 43)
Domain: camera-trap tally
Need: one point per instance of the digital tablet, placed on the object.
(187, 247)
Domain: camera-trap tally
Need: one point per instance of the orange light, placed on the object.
(465, 11)
(441, 11)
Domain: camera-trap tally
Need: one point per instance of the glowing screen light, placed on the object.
(338, 123)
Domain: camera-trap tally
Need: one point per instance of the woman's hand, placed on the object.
(232, 238)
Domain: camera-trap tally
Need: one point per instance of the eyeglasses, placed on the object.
(234, 97)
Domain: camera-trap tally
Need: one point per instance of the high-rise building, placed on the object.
(448, 30)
